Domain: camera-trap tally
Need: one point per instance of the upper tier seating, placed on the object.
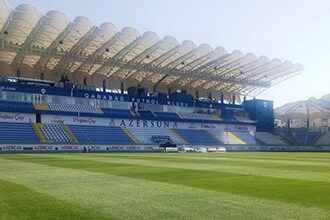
(120, 113)
(73, 108)
(146, 113)
(229, 119)
(100, 135)
(187, 115)
(244, 119)
(23, 107)
(55, 133)
(19, 133)
(247, 137)
(167, 115)
(144, 135)
(198, 137)
(269, 138)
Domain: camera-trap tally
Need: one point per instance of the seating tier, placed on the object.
(21, 133)
(247, 137)
(198, 137)
(100, 134)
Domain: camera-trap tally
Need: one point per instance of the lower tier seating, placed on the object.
(144, 135)
(55, 133)
(18, 133)
(100, 134)
(199, 137)
(269, 138)
(225, 138)
(324, 139)
(247, 137)
(26, 133)
(301, 136)
(312, 137)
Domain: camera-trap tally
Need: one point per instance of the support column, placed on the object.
(104, 86)
(122, 87)
(210, 96)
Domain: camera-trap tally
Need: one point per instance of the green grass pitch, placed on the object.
(251, 185)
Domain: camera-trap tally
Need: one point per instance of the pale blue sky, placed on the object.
(295, 30)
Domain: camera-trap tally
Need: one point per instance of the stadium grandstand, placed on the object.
(305, 122)
(70, 85)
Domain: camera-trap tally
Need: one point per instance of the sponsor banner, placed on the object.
(17, 117)
(45, 147)
(77, 120)
(11, 147)
(122, 147)
(116, 148)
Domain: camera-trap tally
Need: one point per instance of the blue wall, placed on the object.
(262, 111)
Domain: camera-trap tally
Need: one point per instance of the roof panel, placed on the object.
(103, 51)
(23, 20)
(106, 31)
(53, 23)
(78, 28)
(4, 12)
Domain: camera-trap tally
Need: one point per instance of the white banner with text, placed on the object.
(17, 117)
(136, 123)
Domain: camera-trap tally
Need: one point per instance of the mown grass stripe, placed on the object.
(301, 192)
(19, 202)
(286, 164)
(131, 198)
(246, 169)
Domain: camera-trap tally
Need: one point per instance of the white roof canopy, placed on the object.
(312, 108)
(54, 45)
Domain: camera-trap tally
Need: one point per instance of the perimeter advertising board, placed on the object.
(74, 147)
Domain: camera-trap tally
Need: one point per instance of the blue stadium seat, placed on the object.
(247, 137)
(167, 116)
(21, 107)
(100, 135)
(312, 137)
(303, 137)
(146, 113)
(117, 113)
(73, 108)
(19, 133)
(198, 137)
